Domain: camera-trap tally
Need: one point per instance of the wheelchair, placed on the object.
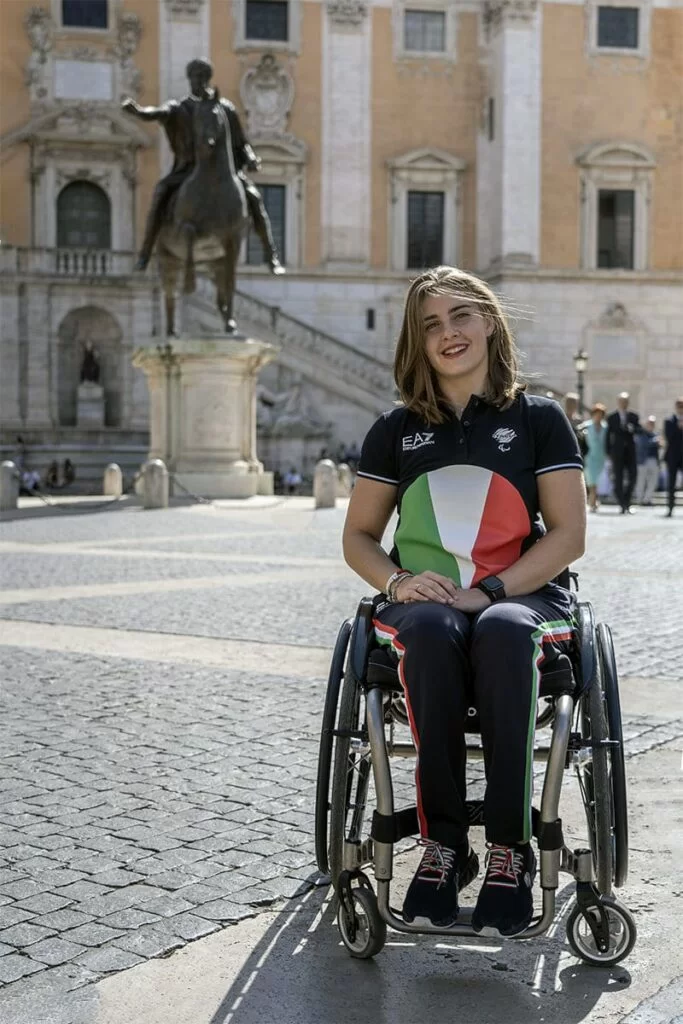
(363, 713)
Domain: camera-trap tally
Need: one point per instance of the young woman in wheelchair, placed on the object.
(488, 485)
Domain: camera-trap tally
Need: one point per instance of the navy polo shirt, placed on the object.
(467, 495)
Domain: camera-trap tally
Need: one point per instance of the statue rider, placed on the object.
(176, 119)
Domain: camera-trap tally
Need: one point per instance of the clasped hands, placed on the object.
(432, 586)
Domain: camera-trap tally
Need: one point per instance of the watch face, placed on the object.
(492, 583)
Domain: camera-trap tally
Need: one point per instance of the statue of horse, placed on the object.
(207, 217)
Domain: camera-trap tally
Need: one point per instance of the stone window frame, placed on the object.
(449, 9)
(616, 165)
(293, 42)
(114, 9)
(424, 170)
(642, 51)
(283, 163)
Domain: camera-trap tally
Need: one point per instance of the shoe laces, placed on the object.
(503, 863)
(437, 862)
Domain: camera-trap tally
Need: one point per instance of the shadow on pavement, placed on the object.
(300, 972)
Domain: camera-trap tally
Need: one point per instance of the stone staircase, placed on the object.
(328, 363)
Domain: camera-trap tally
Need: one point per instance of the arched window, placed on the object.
(83, 217)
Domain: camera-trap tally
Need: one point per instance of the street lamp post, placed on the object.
(580, 364)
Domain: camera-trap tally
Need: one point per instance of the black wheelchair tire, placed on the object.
(372, 934)
(345, 776)
(322, 791)
(597, 786)
(581, 943)
(608, 669)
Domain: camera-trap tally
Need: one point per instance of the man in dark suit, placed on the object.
(622, 427)
(673, 432)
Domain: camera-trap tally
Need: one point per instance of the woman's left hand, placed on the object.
(471, 601)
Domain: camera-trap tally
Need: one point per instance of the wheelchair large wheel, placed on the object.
(608, 670)
(351, 777)
(322, 793)
(595, 781)
(622, 934)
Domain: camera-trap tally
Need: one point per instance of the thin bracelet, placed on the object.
(393, 582)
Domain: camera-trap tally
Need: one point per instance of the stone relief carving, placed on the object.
(184, 8)
(128, 32)
(267, 92)
(347, 12)
(499, 11)
(40, 31)
(289, 413)
(616, 316)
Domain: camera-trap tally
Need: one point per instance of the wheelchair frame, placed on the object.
(583, 693)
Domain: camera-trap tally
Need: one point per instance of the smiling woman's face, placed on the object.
(455, 333)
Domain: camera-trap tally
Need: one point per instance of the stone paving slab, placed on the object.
(150, 798)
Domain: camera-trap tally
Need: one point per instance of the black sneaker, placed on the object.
(432, 895)
(505, 901)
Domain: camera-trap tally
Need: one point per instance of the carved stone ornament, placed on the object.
(39, 29)
(184, 8)
(501, 11)
(616, 316)
(347, 12)
(128, 32)
(267, 92)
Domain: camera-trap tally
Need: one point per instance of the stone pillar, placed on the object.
(9, 486)
(514, 34)
(155, 485)
(203, 412)
(325, 484)
(113, 481)
(346, 123)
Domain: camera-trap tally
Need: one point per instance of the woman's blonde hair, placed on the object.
(415, 378)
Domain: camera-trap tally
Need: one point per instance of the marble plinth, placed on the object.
(203, 412)
(90, 404)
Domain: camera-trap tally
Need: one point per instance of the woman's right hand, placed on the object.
(426, 586)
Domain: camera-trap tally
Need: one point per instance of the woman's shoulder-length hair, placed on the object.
(415, 379)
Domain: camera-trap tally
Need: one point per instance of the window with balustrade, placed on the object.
(83, 217)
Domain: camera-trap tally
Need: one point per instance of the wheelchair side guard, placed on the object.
(360, 638)
(586, 637)
(591, 905)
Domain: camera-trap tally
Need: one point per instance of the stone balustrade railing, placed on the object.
(66, 262)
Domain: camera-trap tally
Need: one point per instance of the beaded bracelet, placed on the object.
(393, 581)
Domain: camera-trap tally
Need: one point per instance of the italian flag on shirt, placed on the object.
(461, 521)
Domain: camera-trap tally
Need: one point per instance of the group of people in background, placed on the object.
(624, 456)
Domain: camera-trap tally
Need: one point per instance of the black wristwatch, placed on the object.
(493, 588)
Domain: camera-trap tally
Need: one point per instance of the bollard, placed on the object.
(155, 485)
(139, 484)
(9, 486)
(113, 481)
(325, 484)
(344, 481)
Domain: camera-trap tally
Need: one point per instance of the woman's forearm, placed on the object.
(367, 557)
(542, 562)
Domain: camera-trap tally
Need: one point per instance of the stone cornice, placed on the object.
(501, 12)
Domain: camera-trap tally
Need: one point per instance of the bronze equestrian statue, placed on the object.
(201, 209)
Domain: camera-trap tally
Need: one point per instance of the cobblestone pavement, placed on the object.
(163, 678)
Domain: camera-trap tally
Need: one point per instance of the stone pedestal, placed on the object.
(203, 412)
(90, 404)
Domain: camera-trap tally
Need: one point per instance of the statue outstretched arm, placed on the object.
(146, 113)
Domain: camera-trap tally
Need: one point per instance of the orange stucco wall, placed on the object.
(587, 100)
(419, 103)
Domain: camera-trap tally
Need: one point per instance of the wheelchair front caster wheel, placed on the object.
(583, 938)
(366, 935)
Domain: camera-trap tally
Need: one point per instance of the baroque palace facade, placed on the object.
(538, 143)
